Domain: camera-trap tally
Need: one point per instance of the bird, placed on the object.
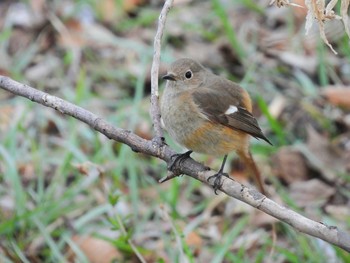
(209, 114)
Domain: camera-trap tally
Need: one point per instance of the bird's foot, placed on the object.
(159, 141)
(177, 159)
(217, 181)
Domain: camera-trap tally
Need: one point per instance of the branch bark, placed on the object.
(189, 167)
(155, 111)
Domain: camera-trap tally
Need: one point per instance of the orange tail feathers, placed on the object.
(248, 160)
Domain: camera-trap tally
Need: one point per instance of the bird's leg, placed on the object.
(217, 181)
(177, 159)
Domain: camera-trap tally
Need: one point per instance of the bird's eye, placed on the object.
(188, 74)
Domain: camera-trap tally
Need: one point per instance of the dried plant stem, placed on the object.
(155, 111)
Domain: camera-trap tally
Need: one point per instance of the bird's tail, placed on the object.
(248, 160)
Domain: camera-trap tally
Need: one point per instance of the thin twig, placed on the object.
(155, 111)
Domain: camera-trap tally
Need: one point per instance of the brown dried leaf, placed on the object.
(260, 219)
(72, 34)
(144, 130)
(130, 5)
(7, 206)
(20, 40)
(90, 169)
(27, 171)
(46, 65)
(340, 212)
(194, 240)
(324, 157)
(22, 15)
(250, 240)
(6, 117)
(338, 96)
(109, 10)
(308, 64)
(96, 250)
(290, 165)
(38, 6)
(311, 193)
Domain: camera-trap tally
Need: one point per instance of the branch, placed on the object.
(155, 111)
(189, 167)
(135, 142)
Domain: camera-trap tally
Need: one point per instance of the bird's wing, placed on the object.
(225, 105)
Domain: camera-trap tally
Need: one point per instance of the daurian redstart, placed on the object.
(209, 114)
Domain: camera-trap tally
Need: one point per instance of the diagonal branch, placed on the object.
(135, 142)
(189, 167)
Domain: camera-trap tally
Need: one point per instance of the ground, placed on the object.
(68, 193)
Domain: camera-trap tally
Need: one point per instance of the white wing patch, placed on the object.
(232, 109)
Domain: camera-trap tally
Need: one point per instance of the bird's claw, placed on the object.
(177, 159)
(217, 181)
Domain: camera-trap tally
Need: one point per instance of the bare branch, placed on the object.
(190, 167)
(155, 111)
(136, 143)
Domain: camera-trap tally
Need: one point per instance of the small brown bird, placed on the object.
(209, 114)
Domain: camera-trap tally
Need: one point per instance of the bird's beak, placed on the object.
(169, 76)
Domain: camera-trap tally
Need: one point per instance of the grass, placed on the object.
(220, 11)
(77, 182)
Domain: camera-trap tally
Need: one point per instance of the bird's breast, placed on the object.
(190, 128)
(179, 116)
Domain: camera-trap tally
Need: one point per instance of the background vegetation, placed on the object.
(69, 194)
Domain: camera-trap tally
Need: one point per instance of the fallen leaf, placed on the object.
(109, 10)
(73, 35)
(307, 64)
(260, 219)
(96, 250)
(194, 240)
(312, 193)
(21, 15)
(277, 106)
(250, 240)
(144, 130)
(130, 5)
(20, 40)
(290, 165)
(340, 212)
(38, 6)
(6, 117)
(27, 172)
(338, 96)
(43, 68)
(7, 206)
(322, 156)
